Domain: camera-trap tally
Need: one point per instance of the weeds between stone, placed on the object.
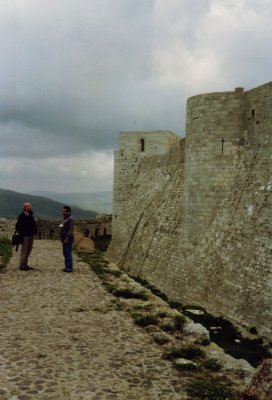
(129, 294)
(212, 364)
(189, 367)
(152, 288)
(210, 390)
(164, 324)
(96, 262)
(5, 253)
(187, 352)
(146, 320)
(226, 336)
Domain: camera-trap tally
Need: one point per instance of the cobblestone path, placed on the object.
(63, 338)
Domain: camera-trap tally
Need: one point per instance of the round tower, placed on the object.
(215, 130)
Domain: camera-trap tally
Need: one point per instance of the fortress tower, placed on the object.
(215, 139)
(193, 216)
(133, 148)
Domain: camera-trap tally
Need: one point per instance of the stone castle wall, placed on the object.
(196, 220)
(93, 228)
(127, 162)
(215, 138)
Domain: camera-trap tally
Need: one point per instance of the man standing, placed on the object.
(27, 228)
(67, 238)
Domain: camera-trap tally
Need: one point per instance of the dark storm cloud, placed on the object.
(66, 65)
(73, 73)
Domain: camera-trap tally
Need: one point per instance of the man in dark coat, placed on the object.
(27, 228)
(67, 238)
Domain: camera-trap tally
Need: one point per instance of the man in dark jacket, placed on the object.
(67, 238)
(27, 228)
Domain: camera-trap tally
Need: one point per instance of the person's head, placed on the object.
(27, 207)
(66, 211)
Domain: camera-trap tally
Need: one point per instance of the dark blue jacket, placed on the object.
(66, 229)
(26, 224)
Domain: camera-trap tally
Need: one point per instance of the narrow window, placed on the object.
(223, 141)
(105, 232)
(142, 145)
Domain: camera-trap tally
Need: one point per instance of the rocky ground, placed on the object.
(65, 337)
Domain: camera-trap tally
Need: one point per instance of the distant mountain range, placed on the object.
(101, 202)
(11, 204)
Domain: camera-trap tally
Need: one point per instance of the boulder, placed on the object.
(85, 245)
(77, 235)
(197, 331)
(185, 365)
(161, 337)
(260, 386)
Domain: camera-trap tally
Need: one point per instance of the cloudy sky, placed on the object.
(73, 73)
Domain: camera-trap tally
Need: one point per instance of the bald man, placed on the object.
(27, 228)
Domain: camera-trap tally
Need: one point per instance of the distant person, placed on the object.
(27, 228)
(67, 238)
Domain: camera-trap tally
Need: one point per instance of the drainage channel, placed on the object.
(222, 332)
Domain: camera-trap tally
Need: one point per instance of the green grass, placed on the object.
(210, 390)
(96, 261)
(117, 274)
(205, 342)
(176, 305)
(179, 321)
(5, 251)
(109, 286)
(100, 266)
(129, 294)
(152, 288)
(212, 364)
(190, 367)
(147, 307)
(175, 323)
(146, 320)
(227, 336)
(188, 352)
(167, 327)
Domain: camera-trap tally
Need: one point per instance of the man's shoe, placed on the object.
(28, 267)
(24, 268)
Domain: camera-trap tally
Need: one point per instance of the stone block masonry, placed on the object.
(193, 216)
(215, 131)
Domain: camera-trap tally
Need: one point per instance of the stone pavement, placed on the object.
(62, 337)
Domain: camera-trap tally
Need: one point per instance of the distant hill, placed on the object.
(11, 204)
(101, 202)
